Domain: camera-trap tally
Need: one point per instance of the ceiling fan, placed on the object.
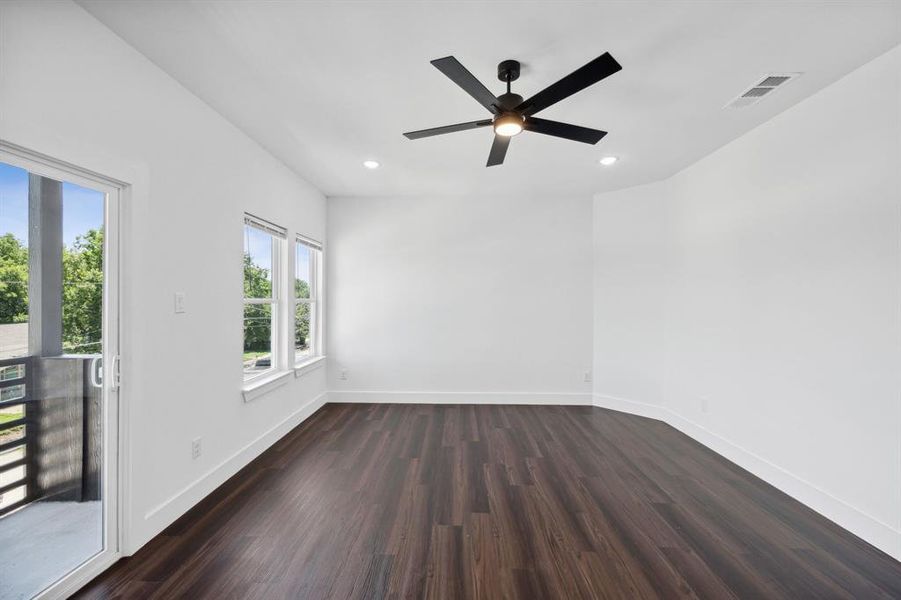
(511, 113)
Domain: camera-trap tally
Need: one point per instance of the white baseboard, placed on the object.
(874, 531)
(165, 513)
(642, 409)
(405, 397)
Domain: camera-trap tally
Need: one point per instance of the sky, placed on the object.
(302, 263)
(82, 207)
(258, 245)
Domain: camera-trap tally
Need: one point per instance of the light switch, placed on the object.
(179, 302)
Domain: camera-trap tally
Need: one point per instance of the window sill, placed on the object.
(256, 388)
(311, 364)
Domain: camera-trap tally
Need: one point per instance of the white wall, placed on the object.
(71, 89)
(775, 268)
(469, 299)
(629, 237)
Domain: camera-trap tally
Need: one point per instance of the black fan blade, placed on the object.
(601, 67)
(415, 135)
(457, 73)
(498, 150)
(564, 130)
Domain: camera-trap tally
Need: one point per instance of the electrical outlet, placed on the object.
(179, 302)
(587, 377)
(705, 404)
(343, 375)
(196, 448)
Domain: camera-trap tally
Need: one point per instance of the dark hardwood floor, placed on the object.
(400, 501)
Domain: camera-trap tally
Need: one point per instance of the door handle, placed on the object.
(114, 372)
(96, 371)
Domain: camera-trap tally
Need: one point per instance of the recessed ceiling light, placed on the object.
(608, 160)
(371, 164)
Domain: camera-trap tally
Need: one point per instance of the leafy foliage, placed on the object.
(82, 293)
(301, 289)
(13, 280)
(257, 317)
(302, 315)
(302, 326)
(257, 282)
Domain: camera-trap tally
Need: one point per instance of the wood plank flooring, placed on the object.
(492, 502)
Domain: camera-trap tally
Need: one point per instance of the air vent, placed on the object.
(764, 87)
(774, 80)
(757, 92)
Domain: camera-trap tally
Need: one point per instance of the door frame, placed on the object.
(114, 417)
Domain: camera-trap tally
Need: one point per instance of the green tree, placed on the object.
(13, 280)
(257, 317)
(83, 294)
(301, 288)
(301, 315)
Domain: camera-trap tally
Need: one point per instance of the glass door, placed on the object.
(58, 376)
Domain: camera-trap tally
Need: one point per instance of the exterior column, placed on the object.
(45, 266)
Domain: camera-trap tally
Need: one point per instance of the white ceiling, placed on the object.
(325, 85)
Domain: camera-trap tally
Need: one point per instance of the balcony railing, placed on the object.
(16, 433)
(50, 430)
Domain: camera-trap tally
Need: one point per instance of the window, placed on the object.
(307, 299)
(263, 244)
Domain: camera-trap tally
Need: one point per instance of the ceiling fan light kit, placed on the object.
(513, 115)
(508, 124)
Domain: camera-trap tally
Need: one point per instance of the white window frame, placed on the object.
(278, 244)
(315, 302)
